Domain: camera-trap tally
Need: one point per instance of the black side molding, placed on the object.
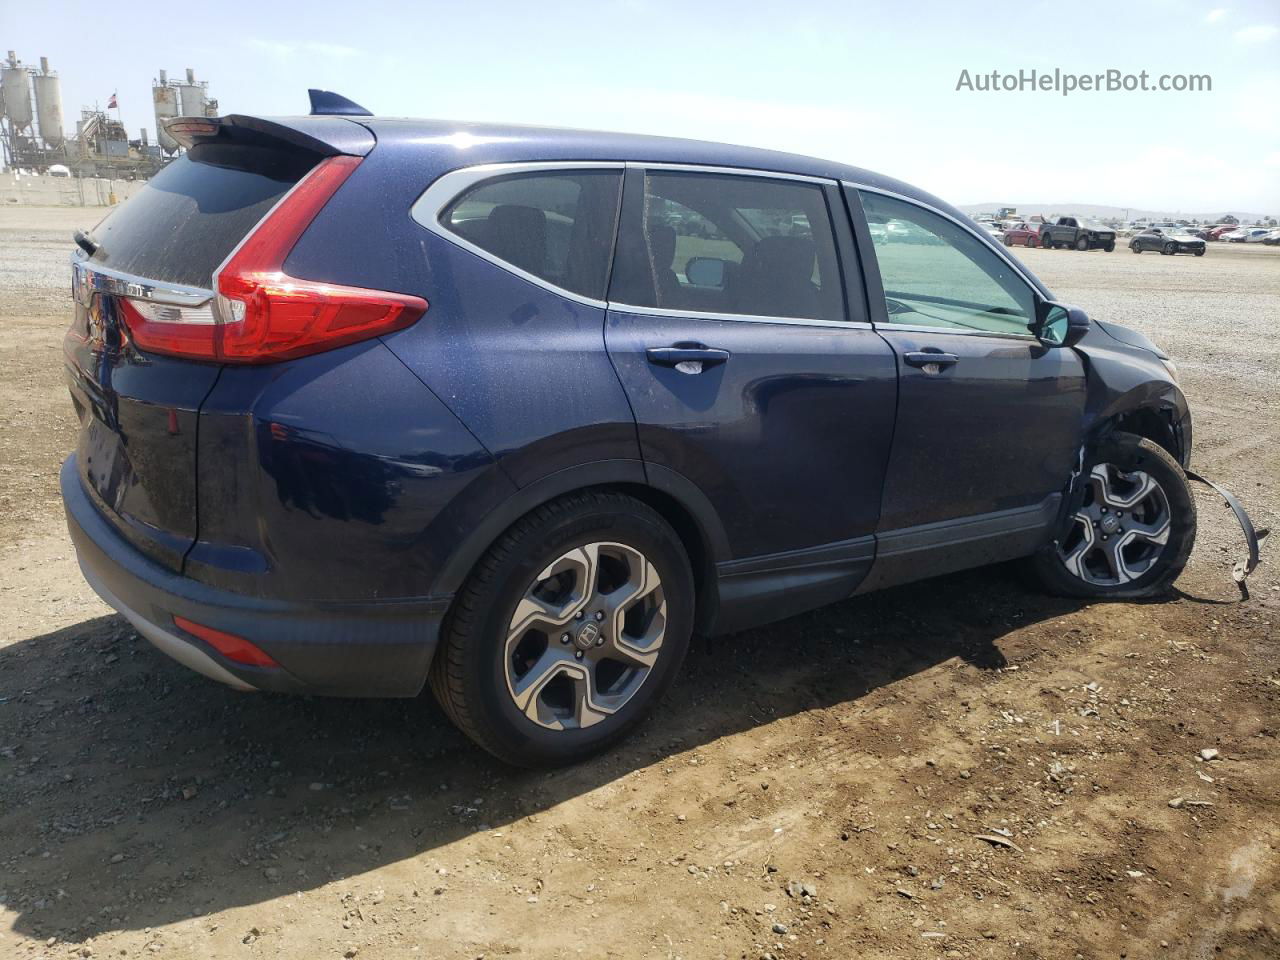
(328, 103)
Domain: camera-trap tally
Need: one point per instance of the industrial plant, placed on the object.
(34, 138)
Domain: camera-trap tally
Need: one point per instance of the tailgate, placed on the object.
(158, 252)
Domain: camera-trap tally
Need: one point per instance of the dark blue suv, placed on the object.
(368, 404)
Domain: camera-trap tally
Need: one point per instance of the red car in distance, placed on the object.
(1022, 232)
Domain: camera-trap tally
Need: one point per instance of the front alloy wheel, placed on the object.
(1132, 528)
(1120, 530)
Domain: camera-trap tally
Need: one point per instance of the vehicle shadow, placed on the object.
(135, 794)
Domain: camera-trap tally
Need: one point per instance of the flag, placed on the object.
(111, 104)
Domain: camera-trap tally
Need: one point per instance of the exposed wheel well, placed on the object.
(1156, 425)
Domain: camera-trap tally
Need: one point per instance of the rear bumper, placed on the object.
(339, 648)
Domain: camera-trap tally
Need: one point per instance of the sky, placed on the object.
(872, 84)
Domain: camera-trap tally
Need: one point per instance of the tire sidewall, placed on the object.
(484, 667)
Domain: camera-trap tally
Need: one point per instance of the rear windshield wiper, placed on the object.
(86, 242)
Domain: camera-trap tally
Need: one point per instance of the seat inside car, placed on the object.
(776, 278)
(662, 251)
(518, 235)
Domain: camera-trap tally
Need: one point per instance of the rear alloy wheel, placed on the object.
(1031, 240)
(1135, 246)
(570, 628)
(1132, 531)
(1082, 244)
(1169, 249)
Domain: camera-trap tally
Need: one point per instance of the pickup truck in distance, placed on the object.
(1070, 232)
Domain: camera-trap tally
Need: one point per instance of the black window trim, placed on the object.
(968, 228)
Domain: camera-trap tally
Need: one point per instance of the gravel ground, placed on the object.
(961, 769)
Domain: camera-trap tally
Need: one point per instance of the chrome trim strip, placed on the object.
(889, 326)
(736, 171)
(998, 248)
(748, 318)
(89, 277)
(430, 206)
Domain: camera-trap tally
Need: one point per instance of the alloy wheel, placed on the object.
(1120, 530)
(585, 636)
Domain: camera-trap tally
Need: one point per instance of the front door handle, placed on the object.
(691, 359)
(930, 361)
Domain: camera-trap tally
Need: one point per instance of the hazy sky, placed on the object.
(869, 84)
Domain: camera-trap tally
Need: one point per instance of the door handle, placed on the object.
(931, 362)
(690, 360)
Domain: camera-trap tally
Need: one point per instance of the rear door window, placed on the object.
(728, 244)
(557, 226)
(188, 218)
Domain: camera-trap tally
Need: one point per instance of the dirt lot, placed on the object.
(813, 789)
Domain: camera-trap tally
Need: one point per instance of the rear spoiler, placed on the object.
(324, 135)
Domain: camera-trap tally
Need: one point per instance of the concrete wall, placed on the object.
(44, 191)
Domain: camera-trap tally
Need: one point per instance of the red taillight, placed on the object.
(261, 313)
(228, 644)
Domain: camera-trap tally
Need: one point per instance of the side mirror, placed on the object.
(1058, 325)
(705, 272)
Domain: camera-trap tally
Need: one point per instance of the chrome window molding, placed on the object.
(729, 171)
(928, 328)
(88, 278)
(924, 328)
(430, 207)
(747, 318)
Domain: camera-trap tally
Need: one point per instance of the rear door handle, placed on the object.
(929, 361)
(689, 360)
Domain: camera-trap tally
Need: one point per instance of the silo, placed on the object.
(191, 96)
(48, 105)
(165, 99)
(17, 93)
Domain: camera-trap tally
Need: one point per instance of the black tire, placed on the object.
(1135, 247)
(1169, 249)
(1200, 252)
(1082, 243)
(469, 673)
(1008, 241)
(1129, 452)
(1110, 246)
(1030, 241)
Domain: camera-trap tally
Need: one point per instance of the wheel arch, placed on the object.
(674, 497)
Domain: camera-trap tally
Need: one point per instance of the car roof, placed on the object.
(478, 142)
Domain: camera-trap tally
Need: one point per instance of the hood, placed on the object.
(1129, 337)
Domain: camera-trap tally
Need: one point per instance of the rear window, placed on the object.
(185, 221)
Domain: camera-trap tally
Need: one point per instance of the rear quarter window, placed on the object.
(187, 219)
(557, 226)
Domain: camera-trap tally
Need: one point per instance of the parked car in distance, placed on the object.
(1022, 234)
(1256, 234)
(1219, 232)
(1080, 235)
(1168, 241)
(512, 412)
(1272, 238)
(994, 231)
